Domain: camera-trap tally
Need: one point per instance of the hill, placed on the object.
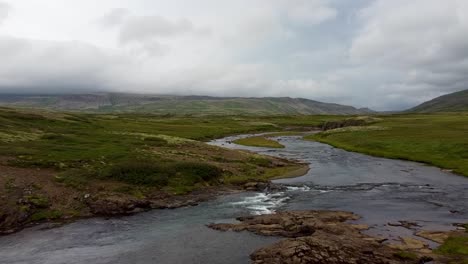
(454, 102)
(167, 104)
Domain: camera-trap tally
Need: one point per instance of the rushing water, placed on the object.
(380, 190)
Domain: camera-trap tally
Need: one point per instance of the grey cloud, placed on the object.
(425, 40)
(4, 10)
(309, 12)
(391, 55)
(137, 29)
(114, 18)
(52, 66)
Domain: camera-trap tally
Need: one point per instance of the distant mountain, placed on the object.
(167, 104)
(454, 102)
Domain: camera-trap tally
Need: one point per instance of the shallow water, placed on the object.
(380, 190)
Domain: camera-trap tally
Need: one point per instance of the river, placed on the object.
(381, 190)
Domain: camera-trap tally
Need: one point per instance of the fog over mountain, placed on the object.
(385, 55)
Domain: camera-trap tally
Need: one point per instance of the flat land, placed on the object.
(60, 165)
(259, 141)
(57, 165)
(437, 139)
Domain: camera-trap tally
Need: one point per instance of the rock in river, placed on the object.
(315, 237)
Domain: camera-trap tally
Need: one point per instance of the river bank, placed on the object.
(436, 139)
(395, 199)
(329, 237)
(393, 196)
(38, 195)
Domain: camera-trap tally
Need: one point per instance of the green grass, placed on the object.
(45, 215)
(457, 245)
(259, 142)
(131, 148)
(160, 174)
(455, 248)
(437, 139)
(250, 175)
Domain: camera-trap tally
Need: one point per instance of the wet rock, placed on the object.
(409, 243)
(290, 224)
(405, 224)
(314, 237)
(263, 186)
(436, 236)
(113, 205)
(251, 186)
(11, 220)
(172, 203)
(323, 248)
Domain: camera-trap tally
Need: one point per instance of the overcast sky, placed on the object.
(382, 54)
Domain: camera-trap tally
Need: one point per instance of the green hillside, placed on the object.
(180, 105)
(454, 102)
(437, 139)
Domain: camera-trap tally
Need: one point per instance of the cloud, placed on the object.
(309, 12)
(424, 39)
(52, 66)
(152, 34)
(377, 53)
(147, 28)
(4, 10)
(114, 18)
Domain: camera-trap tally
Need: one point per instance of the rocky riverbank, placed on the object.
(326, 237)
(33, 196)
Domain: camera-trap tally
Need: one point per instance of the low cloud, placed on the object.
(382, 54)
(4, 10)
(309, 12)
(52, 66)
(114, 18)
(425, 40)
(142, 29)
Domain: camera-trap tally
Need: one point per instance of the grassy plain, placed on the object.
(68, 161)
(437, 139)
(258, 141)
(95, 142)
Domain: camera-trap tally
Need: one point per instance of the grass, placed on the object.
(272, 173)
(132, 148)
(85, 158)
(284, 133)
(437, 139)
(457, 245)
(46, 214)
(259, 141)
(455, 248)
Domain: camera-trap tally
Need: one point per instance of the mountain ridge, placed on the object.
(453, 102)
(174, 104)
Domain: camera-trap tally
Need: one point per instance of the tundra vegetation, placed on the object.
(57, 165)
(436, 139)
(61, 165)
(259, 141)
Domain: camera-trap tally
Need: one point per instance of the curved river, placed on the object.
(382, 191)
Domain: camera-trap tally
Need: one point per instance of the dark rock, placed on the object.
(343, 123)
(314, 237)
(114, 205)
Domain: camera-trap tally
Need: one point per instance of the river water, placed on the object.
(382, 191)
